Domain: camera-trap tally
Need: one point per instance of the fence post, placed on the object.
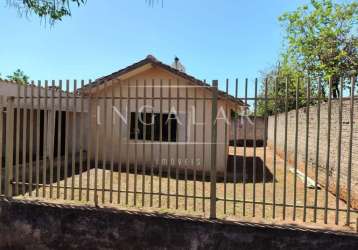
(214, 108)
(9, 146)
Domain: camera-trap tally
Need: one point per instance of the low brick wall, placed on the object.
(43, 226)
(323, 135)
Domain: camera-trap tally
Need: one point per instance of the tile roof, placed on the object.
(152, 60)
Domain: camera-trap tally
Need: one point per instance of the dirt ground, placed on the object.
(192, 197)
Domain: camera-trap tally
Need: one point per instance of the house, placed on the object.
(39, 122)
(147, 114)
(180, 137)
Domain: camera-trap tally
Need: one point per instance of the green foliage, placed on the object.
(54, 10)
(19, 77)
(321, 40)
(278, 81)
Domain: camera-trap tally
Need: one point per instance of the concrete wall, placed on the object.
(245, 129)
(11, 89)
(312, 139)
(199, 135)
(42, 226)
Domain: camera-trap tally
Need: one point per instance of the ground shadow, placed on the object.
(248, 143)
(253, 168)
(66, 171)
(45, 174)
(263, 174)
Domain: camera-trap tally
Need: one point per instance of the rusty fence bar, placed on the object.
(279, 148)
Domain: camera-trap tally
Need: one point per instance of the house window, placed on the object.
(146, 122)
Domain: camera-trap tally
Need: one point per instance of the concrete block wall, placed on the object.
(322, 145)
(29, 225)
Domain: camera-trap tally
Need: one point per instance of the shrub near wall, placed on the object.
(322, 146)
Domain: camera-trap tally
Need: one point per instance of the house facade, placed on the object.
(174, 117)
(148, 114)
(43, 120)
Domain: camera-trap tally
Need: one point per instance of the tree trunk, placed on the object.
(335, 87)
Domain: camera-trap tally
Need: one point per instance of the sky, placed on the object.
(213, 39)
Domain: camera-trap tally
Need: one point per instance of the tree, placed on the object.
(272, 97)
(54, 10)
(19, 77)
(321, 40)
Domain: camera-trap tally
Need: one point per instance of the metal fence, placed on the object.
(178, 145)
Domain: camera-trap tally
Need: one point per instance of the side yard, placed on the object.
(184, 195)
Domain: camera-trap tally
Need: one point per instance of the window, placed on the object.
(147, 123)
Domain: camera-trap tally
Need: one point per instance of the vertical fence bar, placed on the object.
(285, 152)
(82, 125)
(195, 140)
(104, 140)
(214, 110)
(306, 148)
(66, 138)
(24, 138)
(59, 140)
(31, 137)
(52, 134)
(203, 155)
(152, 148)
(160, 141)
(89, 140)
(120, 143)
(96, 153)
(135, 143)
(74, 134)
(112, 142)
(265, 154)
(169, 122)
(296, 148)
(349, 175)
(177, 154)
(9, 146)
(45, 143)
(186, 150)
(339, 151)
(274, 152)
(236, 119)
(244, 161)
(18, 124)
(38, 121)
(129, 115)
(317, 151)
(328, 152)
(144, 121)
(226, 152)
(254, 160)
(2, 140)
